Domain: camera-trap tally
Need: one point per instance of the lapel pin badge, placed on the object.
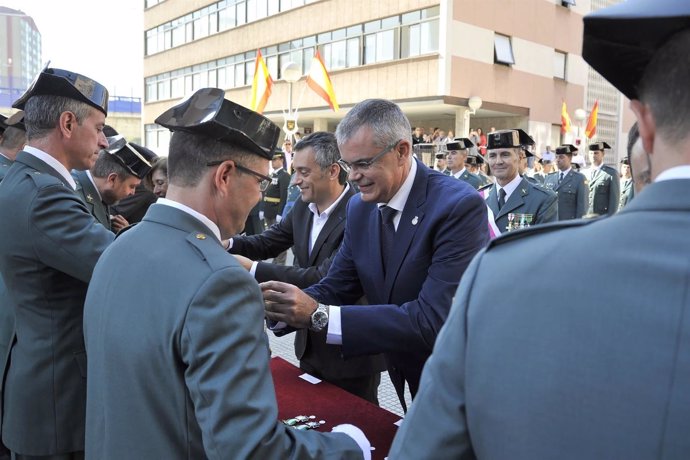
(89, 198)
(415, 220)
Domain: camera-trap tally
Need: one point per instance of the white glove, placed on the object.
(261, 215)
(279, 218)
(359, 437)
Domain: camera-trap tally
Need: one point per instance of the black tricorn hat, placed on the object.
(207, 113)
(58, 82)
(599, 146)
(619, 41)
(509, 138)
(2, 123)
(459, 143)
(441, 155)
(625, 161)
(566, 149)
(135, 158)
(16, 121)
(277, 154)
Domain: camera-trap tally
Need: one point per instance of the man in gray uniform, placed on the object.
(47, 253)
(178, 365)
(117, 172)
(570, 185)
(457, 156)
(514, 201)
(604, 185)
(12, 141)
(626, 183)
(597, 372)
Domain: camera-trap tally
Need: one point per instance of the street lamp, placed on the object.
(580, 115)
(291, 73)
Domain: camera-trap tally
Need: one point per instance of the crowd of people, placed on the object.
(397, 267)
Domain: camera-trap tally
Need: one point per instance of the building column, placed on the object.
(320, 124)
(462, 122)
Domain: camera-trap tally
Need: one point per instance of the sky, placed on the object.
(102, 39)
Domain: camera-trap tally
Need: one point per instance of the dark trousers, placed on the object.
(281, 258)
(67, 456)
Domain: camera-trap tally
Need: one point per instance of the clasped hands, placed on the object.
(287, 303)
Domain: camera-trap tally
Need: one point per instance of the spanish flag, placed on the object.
(319, 81)
(262, 84)
(591, 128)
(565, 120)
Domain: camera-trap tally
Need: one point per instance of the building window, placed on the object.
(559, 63)
(503, 50)
(567, 3)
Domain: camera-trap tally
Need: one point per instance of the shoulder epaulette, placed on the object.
(485, 187)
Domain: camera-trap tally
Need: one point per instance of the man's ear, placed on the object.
(112, 179)
(66, 123)
(334, 171)
(645, 123)
(223, 176)
(403, 150)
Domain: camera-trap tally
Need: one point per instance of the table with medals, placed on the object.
(321, 406)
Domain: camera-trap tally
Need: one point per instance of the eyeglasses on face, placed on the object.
(263, 180)
(363, 165)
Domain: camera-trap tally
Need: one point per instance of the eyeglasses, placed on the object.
(263, 180)
(362, 165)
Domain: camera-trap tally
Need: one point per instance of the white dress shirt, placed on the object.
(196, 214)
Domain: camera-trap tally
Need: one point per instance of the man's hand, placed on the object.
(287, 303)
(118, 222)
(245, 262)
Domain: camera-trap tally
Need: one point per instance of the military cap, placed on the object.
(566, 149)
(109, 131)
(137, 159)
(3, 126)
(58, 82)
(575, 166)
(545, 162)
(474, 160)
(277, 154)
(599, 146)
(440, 156)
(625, 161)
(619, 41)
(16, 121)
(459, 143)
(207, 113)
(509, 138)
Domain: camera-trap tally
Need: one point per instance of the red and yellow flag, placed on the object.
(565, 119)
(319, 81)
(261, 86)
(591, 128)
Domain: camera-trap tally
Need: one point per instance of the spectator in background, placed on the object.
(481, 145)
(158, 177)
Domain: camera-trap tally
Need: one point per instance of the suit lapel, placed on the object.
(492, 200)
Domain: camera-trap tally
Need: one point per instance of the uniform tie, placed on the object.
(387, 232)
(501, 198)
(560, 178)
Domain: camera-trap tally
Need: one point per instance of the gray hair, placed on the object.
(189, 153)
(13, 138)
(42, 113)
(385, 118)
(106, 165)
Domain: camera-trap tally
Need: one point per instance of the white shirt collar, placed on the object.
(400, 198)
(329, 210)
(459, 173)
(202, 218)
(565, 173)
(88, 173)
(677, 172)
(510, 186)
(53, 163)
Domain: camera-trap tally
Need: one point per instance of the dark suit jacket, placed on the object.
(178, 363)
(604, 192)
(134, 207)
(87, 191)
(526, 199)
(47, 254)
(442, 227)
(294, 232)
(572, 194)
(592, 373)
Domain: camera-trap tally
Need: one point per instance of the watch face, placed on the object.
(320, 319)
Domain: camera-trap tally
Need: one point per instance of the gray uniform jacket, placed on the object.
(5, 164)
(593, 373)
(47, 253)
(471, 179)
(572, 194)
(604, 192)
(627, 193)
(526, 199)
(178, 356)
(87, 191)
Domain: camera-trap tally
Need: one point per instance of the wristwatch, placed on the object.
(319, 319)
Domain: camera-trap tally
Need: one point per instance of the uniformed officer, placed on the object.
(604, 186)
(117, 172)
(12, 140)
(442, 163)
(570, 185)
(513, 200)
(275, 197)
(472, 164)
(178, 356)
(457, 155)
(47, 253)
(626, 184)
(524, 157)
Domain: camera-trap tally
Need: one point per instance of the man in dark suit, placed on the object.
(12, 141)
(570, 185)
(47, 254)
(604, 183)
(599, 372)
(314, 230)
(275, 197)
(409, 236)
(117, 172)
(457, 156)
(178, 365)
(513, 200)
